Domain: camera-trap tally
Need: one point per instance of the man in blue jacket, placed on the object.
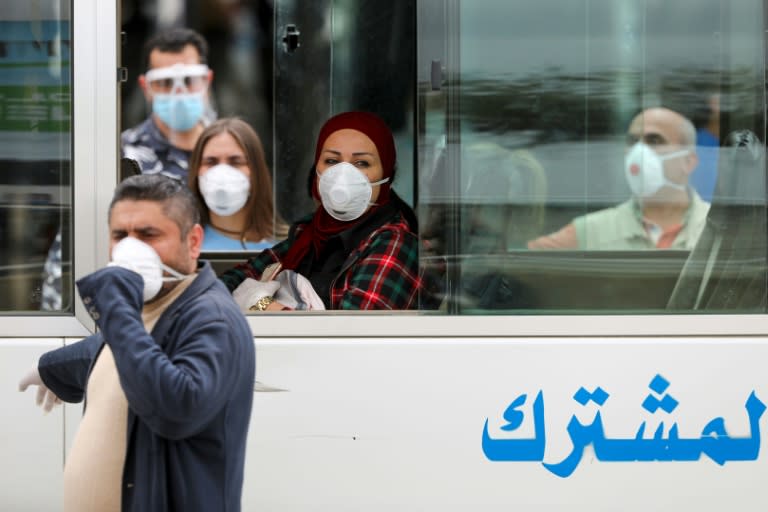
(168, 379)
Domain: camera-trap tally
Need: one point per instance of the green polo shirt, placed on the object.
(621, 227)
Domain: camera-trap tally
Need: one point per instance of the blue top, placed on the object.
(215, 241)
(704, 177)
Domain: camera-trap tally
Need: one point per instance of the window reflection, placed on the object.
(35, 127)
(501, 184)
(663, 210)
(576, 86)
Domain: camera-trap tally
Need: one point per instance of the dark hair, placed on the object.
(178, 202)
(174, 41)
(262, 215)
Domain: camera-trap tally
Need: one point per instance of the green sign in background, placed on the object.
(35, 108)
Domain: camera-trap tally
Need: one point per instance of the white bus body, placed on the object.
(426, 411)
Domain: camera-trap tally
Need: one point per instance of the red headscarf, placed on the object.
(323, 226)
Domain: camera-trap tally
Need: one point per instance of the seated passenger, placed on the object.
(359, 250)
(228, 173)
(663, 212)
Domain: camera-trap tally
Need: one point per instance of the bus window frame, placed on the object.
(94, 161)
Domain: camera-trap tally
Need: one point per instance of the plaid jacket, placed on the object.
(382, 272)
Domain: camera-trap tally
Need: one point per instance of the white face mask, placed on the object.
(345, 191)
(135, 255)
(225, 189)
(644, 170)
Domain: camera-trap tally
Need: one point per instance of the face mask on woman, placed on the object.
(140, 257)
(345, 191)
(224, 189)
(644, 170)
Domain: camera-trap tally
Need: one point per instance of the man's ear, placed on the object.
(143, 84)
(691, 162)
(195, 241)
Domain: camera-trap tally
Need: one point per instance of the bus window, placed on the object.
(35, 157)
(345, 55)
(530, 145)
(572, 154)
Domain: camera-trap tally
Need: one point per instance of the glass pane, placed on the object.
(375, 39)
(341, 45)
(35, 157)
(302, 99)
(325, 57)
(550, 203)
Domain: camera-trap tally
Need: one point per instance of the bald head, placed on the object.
(662, 126)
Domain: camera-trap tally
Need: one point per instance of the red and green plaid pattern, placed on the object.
(381, 273)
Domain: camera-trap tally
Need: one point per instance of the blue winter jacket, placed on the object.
(189, 387)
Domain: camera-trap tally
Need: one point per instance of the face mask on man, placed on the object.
(178, 94)
(224, 189)
(644, 170)
(180, 111)
(345, 191)
(133, 254)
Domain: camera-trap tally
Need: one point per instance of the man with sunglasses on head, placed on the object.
(176, 87)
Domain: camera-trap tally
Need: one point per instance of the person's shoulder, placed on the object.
(698, 202)
(297, 227)
(607, 228)
(393, 235)
(142, 145)
(396, 226)
(141, 133)
(210, 300)
(699, 209)
(610, 214)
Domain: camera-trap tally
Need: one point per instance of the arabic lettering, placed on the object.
(714, 442)
(518, 449)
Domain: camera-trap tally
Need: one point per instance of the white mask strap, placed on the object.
(674, 154)
(380, 182)
(177, 276)
(669, 156)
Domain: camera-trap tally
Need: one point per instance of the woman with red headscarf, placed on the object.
(360, 248)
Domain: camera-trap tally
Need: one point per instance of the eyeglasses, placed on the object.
(186, 77)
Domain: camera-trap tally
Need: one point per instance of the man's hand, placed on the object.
(45, 397)
(111, 291)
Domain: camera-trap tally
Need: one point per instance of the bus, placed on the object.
(582, 378)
